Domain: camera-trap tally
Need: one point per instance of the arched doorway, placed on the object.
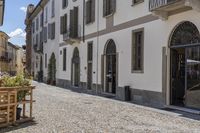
(40, 73)
(75, 68)
(110, 67)
(185, 66)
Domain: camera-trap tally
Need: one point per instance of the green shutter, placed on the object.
(71, 23)
(53, 31)
(88, 12)
(113, 6)
(93, 5)
(104, 8)
(61, 25)
(49, 31)
(65, 23)
(76, 21)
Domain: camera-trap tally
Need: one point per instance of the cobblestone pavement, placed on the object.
(60, 110)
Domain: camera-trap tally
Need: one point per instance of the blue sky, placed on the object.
(14, 19)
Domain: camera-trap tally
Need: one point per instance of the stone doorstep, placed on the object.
(187, 110)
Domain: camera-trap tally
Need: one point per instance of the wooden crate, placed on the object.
(8, 105)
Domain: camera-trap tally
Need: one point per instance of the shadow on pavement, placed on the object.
(168, 111)
(21, 126)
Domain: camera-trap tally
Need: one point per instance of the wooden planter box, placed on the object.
(8, 105)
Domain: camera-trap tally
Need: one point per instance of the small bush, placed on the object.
(19, 80)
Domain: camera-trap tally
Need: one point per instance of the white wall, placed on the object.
(156, 36)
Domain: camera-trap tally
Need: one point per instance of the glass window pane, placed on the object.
(193, 77)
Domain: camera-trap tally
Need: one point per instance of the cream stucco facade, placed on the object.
(152, 85)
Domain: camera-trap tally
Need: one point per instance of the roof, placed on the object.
(5, 34)
(2, 7)
(12, 45)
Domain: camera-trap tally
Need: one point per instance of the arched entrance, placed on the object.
(40, 73)
(110, 67)
(75, 68)
(185, 66)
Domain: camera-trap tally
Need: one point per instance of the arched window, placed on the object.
(110, 47)
(185, 33)
(76, 56)
(76, 52)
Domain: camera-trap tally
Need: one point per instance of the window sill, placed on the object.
(64, 7)
(109, 15)
(138, 71)
(90, 23)
(135, 4)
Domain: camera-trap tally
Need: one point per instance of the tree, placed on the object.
(52, 70)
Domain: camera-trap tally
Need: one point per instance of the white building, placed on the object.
(152, 46)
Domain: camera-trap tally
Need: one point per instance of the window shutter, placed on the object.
(93, 11)
(61, 25)
(71, 23)
(45, 34)
(113, 6)
(65, 23)
(75, 21)
(88, 12)
(49, 31)
(41, 37)
(36, 40)
(53, 31)
(104, 8)
(63, 3)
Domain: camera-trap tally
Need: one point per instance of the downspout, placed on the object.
(83, 21)
(97, 47)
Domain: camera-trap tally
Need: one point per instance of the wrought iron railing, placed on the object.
(154, 4)
(72, 34)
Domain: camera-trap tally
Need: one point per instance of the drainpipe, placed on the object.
(83, 20)
(97, 72)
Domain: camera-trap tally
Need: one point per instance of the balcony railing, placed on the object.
(72, 36)
(38, 49)
(154, 4)
(164, 8)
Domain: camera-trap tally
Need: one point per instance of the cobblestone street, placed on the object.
(60, 110)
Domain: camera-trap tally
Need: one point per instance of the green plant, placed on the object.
(17, 81)
(52, 68)
(21, 95)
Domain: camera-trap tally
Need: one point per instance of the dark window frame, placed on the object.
(53, 8)
(137, 51)
(90, 51)
(90, 11)
(109, 7)
(46, 60)
(63, 24)
(65, 4)
(135, 2)
(42, 19)
(64, 59)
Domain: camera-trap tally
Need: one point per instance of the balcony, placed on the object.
(72, 35)
(38, 49)
(164, 8)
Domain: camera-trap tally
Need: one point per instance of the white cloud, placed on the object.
(17, 33)
(23, 9)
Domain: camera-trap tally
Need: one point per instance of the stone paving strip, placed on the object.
(59, 110)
